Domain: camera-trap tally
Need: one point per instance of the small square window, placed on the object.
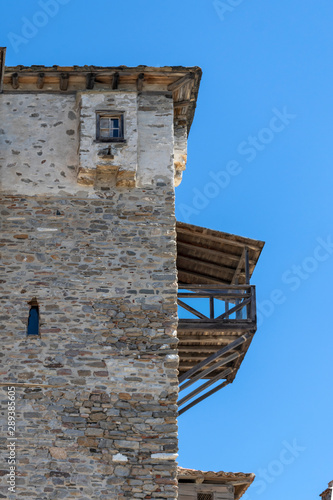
(109, 127)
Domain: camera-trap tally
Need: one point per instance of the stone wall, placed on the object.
(96, 392)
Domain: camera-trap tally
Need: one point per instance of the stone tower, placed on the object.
(90, 157)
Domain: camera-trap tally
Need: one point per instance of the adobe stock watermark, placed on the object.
(30, 27)
(225, 8)
(248, 150)
(294, 277)
(265, 476)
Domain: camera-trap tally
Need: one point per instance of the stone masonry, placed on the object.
(91, 236)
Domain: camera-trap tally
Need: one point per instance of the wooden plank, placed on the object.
(196, 356)
(218, 326)
(198, 286)
(2, 66)
(204, 266)
(191, 309)
(200, 349)
(184, 275)
(218, 239)
(216, 294)
(181, 81)
(185, 249)
(198, 487)
(203, 339)
(214, 356)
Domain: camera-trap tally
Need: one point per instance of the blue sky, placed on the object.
(260, 60)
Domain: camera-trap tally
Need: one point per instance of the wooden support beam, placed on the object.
(90, 81)
(64, 79)
(2, 66)
(210, 369)
(204, 386)
(222, 296)
(15, 81)
(115, 81)
(198, 286)
(232, 325)
(40, 80)
(253, 313)
(238, 269)
(191, 309)
(247, 266)
(181, 81)
(214, 356)
(201, 398)
(238, 307)
(139, 82)
(203, 339)
(211, 307)
(180, 104)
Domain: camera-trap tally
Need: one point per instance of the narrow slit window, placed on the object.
(33, 320)
(205, 496)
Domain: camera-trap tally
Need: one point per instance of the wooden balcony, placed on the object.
(217, 309)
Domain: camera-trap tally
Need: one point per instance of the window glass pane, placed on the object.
(115, 122)
(115, 133)
(104, 132)
(104, 123)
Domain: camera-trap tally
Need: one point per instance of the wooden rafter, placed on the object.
(115, 81)
(181, 81)
(139, 82)
(15, 80)
(64, 80)
(2, 66)
(218, 238)
(90, 81)
(40, 80)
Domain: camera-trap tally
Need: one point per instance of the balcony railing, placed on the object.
(219, 306)
(216, 325)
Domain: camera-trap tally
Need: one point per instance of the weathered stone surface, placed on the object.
(59, 453)
(100, 383)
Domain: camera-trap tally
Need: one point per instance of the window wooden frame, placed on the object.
(119, 115)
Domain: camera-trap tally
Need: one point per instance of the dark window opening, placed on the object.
(205, 496)
(109, 127)
(33, 320)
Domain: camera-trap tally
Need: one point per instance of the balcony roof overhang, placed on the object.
(207, 256)
(181, 83)
(239, 480)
